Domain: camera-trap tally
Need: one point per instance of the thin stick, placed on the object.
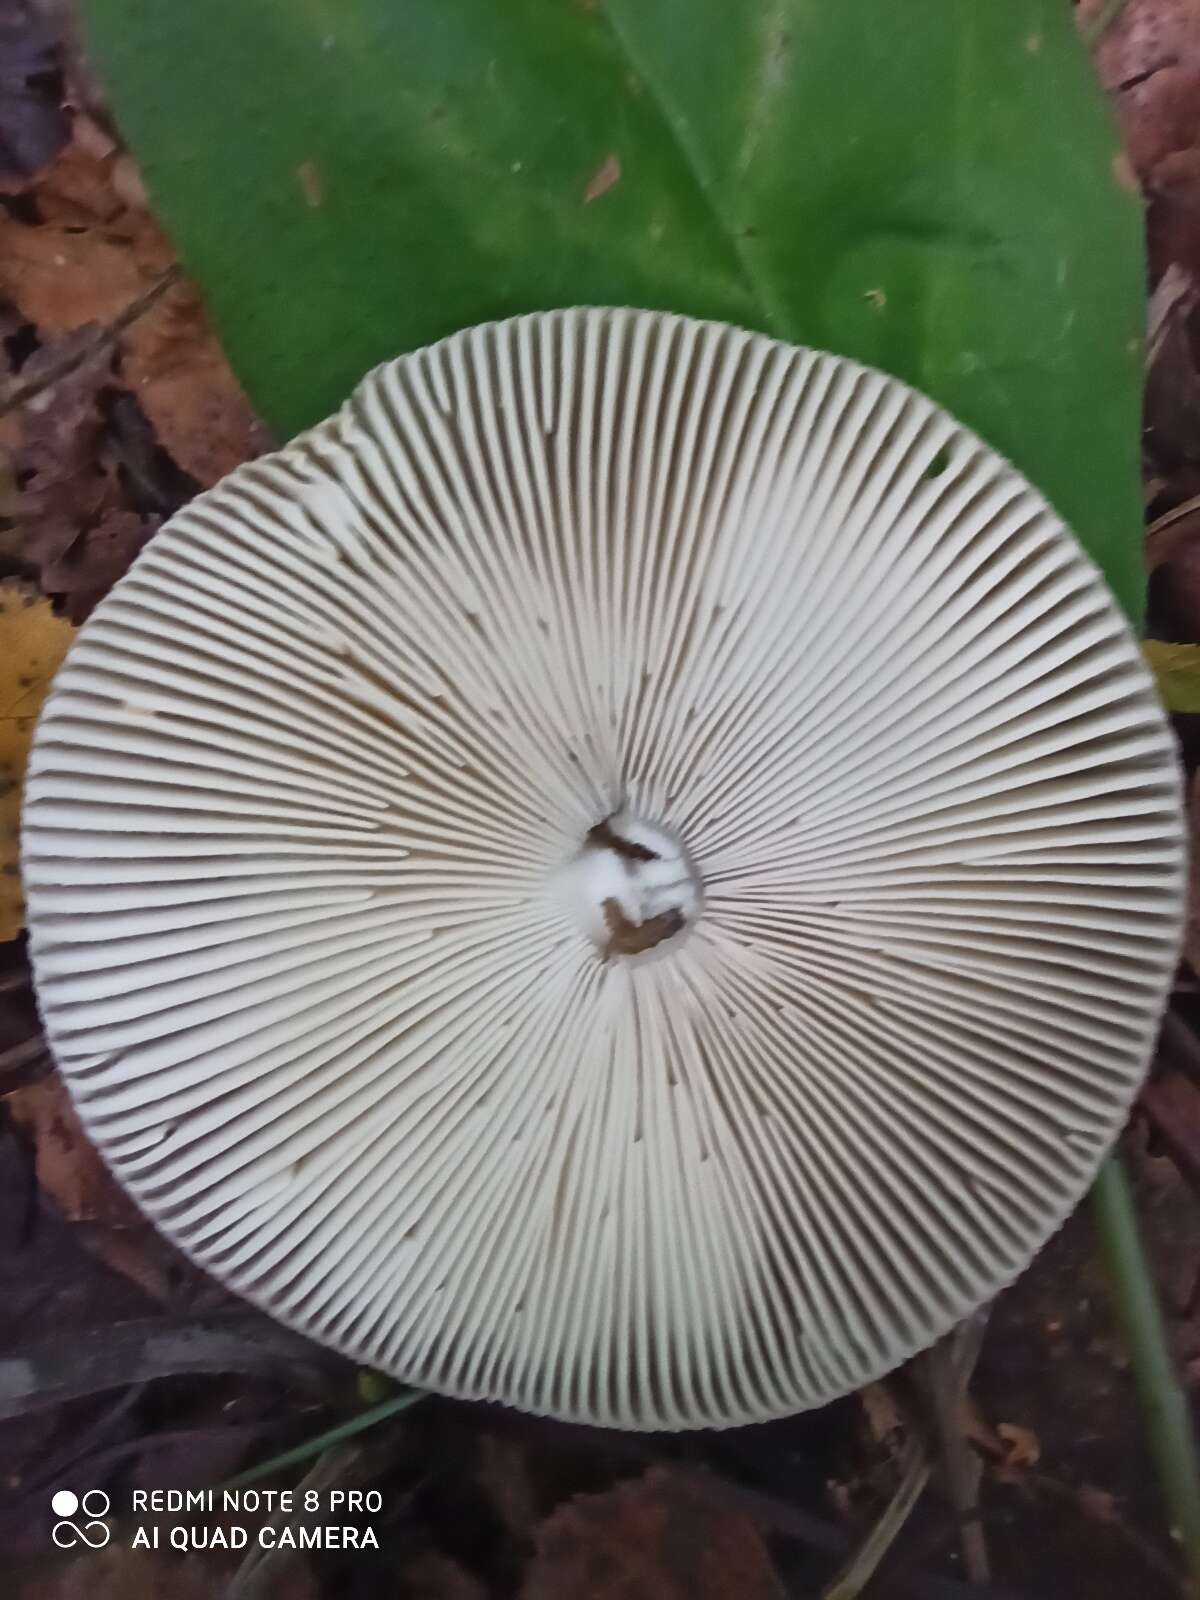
(20, 1055)
(861, 1568)
(20, 394)
(258, 1574)
(1163, 1403)
(51, 1370)
(322, 1441)
(948, 1369)
(946, 1382)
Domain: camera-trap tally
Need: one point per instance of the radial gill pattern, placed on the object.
(632, 872)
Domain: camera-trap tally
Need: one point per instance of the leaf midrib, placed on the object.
(774, 316)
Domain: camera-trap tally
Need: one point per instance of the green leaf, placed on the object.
(930, 187)
(1176, 669)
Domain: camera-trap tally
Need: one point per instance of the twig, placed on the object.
(948, 1369)
(323, 1441)
(1163, 1402)
(252, 1579)
(775, 1516)
(1075, 1496)
(778, 1517)
(861, 1568)
(17, 1061)
(21, 393)
(98, 1461)
(947, 1372)
(65, 1368)
(1165, 533)
(85, 1448)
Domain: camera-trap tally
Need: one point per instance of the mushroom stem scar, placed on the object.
(631, 887)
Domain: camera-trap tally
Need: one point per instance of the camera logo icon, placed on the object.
(91, 1506)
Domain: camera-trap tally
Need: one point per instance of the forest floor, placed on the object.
(136, 1372)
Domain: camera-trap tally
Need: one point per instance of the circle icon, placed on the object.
(64, 1504)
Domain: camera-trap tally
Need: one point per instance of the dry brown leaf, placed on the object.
(436, 1577)
(1149, 61)
(1022, 1447)
(1099, 1503)
(1175, 532)
(1170, 1101)
(65, 488)
(68, 1168)
(33, 123)
(657, 1538)
(88, 568)
(24, 1057)
(882, 1413)
(174, 365)
(32, 643)
(71, 1173)
(128, 403)
(119, 1573)
(65, 274)
(1172, 406)
(85, 452)
(502, 1471)
(95, 252)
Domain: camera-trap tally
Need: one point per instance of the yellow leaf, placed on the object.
(1176, 668)
(33, 642)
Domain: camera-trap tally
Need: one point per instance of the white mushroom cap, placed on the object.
(632, 872)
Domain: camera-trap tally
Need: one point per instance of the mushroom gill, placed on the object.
(632, 871)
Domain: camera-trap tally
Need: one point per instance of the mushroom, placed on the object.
(632, 872)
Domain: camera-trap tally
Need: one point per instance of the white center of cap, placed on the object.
(631, 886)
